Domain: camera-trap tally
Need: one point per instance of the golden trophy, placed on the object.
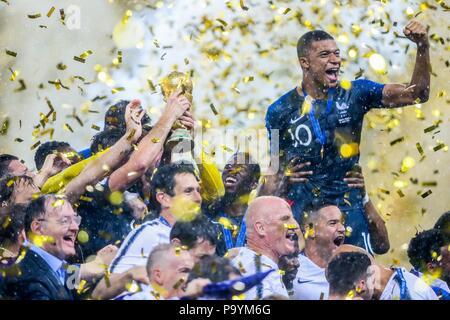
(180, 140)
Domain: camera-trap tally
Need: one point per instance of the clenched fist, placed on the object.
(416, 32)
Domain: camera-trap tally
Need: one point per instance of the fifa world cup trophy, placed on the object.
(180, 141)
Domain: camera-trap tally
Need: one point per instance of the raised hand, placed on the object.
(133, 116)
(177, 104)
(416, 32)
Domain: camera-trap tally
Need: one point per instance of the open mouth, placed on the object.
(338, 241)
(230, 181)
(332, 74)
(291, 235)
(69, 240)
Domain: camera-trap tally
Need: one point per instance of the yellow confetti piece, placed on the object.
(62, 16)
(14, 74)
(61, 66)
(83, 236)
(115, 90)
(348, 150)
(346, 84)
(50, 12)
(156, 140)
(58, 203)
(34, 146)
(67, 127)
(34, 16)
(407, 163)
(242, 5)
(426, 194)
(11, 53)
(116, 198)
(95, 127)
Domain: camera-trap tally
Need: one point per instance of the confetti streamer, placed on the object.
(115, 90)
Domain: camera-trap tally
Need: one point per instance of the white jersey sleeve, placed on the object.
(271, 285)
(138, 244)
(418, 289)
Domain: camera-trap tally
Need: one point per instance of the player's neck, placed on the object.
(262, 249)
(170, 218)
(238, 206)
(385, 275)
(313, 89)
(317, 255)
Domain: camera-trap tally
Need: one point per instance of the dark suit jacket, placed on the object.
(36, 282)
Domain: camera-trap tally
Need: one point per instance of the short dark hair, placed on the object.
(305, 41)
(5, 160)
(164, 180)
(105, 139)
(345, 270)
(115, 117)
(12, 221)
(47, 148)
(443, 224)
(36, 209)
(189, 232)
(422, 246)
(310, 212)
(214, 268)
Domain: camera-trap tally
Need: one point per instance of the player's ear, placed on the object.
(259, 228)
(304, 63)
(175, 241)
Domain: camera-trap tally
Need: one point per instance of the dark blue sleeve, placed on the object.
(368, 94)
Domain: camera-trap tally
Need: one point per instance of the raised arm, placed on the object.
(418, 90)
(151, 145)
(379, 239)
(102, 166)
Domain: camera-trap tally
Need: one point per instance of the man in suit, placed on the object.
(52, 227)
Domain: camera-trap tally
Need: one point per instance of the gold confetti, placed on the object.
(35, 145)
(213, 108)
(14, 74)
(116, 198)
(21, 87)
(426, 194)
(431, 128)
(222, 22)
(34, 16)
(131, 135)
(242, 5)
(5, 1)
(115, 90)
(429, 183)
(419, 148)
(4, 128)
(18, 140)
(151, 85)
(156, 140)
(68, 127)
(58, 203)
(401, 139)
(11, 53)
(439, 147)
(384, 191)
(62, 16)
(61, 66)
(400, 193)
(83, 236)
(50, 12)
(95, 127)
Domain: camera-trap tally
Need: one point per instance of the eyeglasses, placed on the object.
(66, 221)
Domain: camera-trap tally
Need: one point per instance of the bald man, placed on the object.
(168, 267)
(271, 232)
(324, 233)
(389, 281)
